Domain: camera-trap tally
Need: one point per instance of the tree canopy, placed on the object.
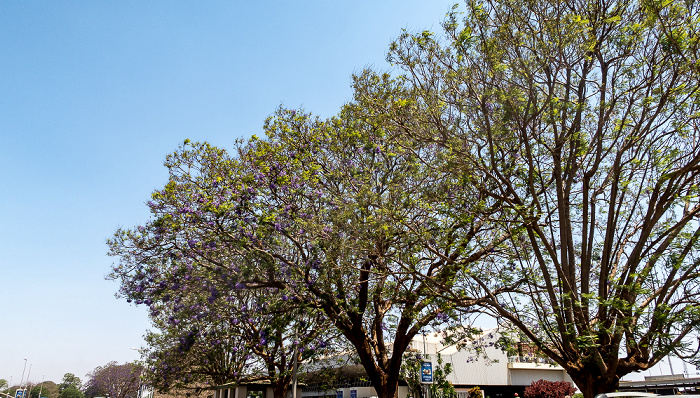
(70, 380)
(328, 214)
(71, 392)
(583, 115)
(47, 389)
(114, 381)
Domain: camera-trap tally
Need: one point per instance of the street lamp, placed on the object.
(23, 369)
(26, 383)
(41, 386)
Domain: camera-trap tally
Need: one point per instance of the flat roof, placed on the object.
(679, 381)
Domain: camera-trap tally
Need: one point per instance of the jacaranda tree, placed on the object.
(332, 215)
(581, 118)
(211, 331)
(114, 380)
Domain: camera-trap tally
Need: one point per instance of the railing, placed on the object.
(530, 359)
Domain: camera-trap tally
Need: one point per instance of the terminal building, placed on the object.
(479, 364)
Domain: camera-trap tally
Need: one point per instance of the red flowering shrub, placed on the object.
(549, 389)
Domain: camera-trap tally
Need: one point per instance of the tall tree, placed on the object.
(210, 330)
(581, 118)
(331, 214)
(70, 380)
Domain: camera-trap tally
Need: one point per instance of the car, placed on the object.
(635, 394)
(627, 394)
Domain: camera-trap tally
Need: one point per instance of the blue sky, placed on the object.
(93, 95)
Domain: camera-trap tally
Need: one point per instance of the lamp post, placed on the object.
(20, 380)
(41, 386)
(26, 382)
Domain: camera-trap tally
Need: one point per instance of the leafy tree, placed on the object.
(581, 118)
(331, 214)
(228, 340)
(71, 392)
(4, 384)
(549, 389)
(48, 389)
(69, 380)
(114, 381)
(211, 331)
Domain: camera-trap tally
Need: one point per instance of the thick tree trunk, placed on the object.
(592, 383)
(386, 387)
(281, 386)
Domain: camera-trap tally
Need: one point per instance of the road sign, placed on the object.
(426, 373)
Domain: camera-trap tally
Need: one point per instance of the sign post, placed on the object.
(426, 377)
(426, 373)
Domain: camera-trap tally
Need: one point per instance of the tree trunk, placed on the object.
(281, 386)
(591, 382)
(386, 388)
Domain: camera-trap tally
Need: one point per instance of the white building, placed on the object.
(479, 364)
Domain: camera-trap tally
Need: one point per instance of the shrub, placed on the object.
(549, 389)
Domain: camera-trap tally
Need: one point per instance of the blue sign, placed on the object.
(20, 393)
(338, 393)
(353, 393)
(426, 373)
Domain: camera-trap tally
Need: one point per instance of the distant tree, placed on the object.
(69, 380)
(114, 381)
(4, 384)
(48, 389)
(71, 392)
(549, 389)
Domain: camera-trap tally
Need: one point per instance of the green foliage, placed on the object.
(48, 389)
(580, 118)
(411, 374)
(475, 392)
(329, 215)
(71, 392)
(69, 380)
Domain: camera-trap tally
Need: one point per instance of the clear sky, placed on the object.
(94, 94)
